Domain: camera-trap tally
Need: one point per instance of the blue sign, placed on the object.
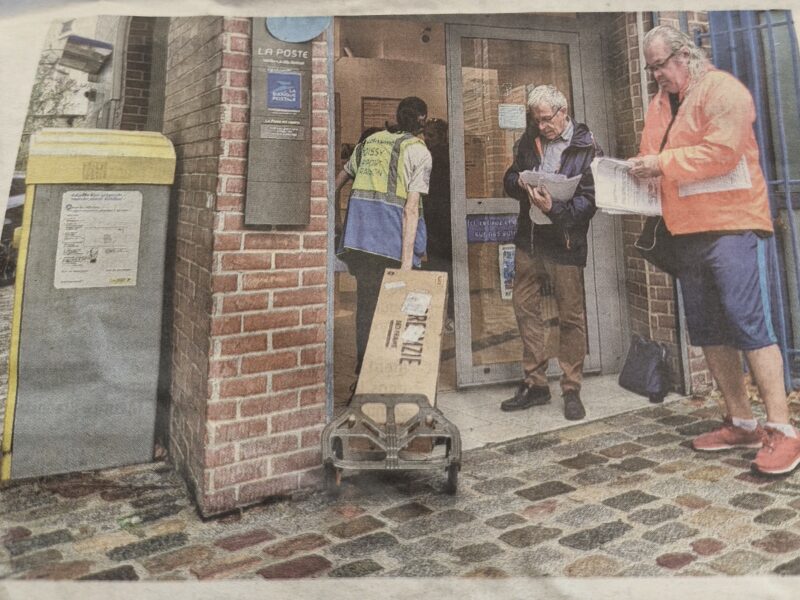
(284, 90)
(491, 228)
(297, 29)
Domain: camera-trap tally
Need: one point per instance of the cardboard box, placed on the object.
(405, 340)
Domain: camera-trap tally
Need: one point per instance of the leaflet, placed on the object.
(738, 179)
(619, 192)
(560, 187)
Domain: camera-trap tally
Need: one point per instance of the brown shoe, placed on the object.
(573, 407)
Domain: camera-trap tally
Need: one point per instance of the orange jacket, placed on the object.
(713, 129)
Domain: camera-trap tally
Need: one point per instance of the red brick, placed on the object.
(234, 131)
(314, 277)
(250, 386)
(298, 378)
(319, 153)
(315, 242)
(296, 462)
(297, 260)
(237, 149)
(269, 280)
(300, 297)
(232, 166)
(230, 203)
(251, 492)
(224, 283)
(226, 325)
(240, 44)
(246, 261)
(271, 320)
(319, 101)
(235, 185)
(240, 62)
(239, 472)
(227, 241)
(311, 438)
(309, 397)
(243, 345)
(312, 356)
(271, 241)
(271, 403)
(241, 430)
(263, 363)
(315, 316)
(234, 25)
(319, 206)
(244, 302)
(221, 411)
(298, 337)
(242, 80)
(275, 444)
(299, 419)
(319, 189)
(217, 457)
(222, 368)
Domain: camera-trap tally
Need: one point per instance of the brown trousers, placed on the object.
(531, 274)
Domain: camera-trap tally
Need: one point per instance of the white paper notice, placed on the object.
(738, 179)
(416, 304)
(98, 239)
(617, 191)
(511, 116)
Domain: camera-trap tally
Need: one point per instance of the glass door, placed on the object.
(490, 72)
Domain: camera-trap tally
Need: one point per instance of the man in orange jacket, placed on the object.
(700, 126)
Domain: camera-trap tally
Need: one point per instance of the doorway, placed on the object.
(475, 73)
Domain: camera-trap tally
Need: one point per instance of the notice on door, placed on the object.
(98, 239)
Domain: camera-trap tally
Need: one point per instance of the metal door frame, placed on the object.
(466, 373)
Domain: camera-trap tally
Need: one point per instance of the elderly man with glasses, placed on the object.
(550, 257)
(698, 127)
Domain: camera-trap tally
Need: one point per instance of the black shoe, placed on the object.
(573, 407)
(526, 397)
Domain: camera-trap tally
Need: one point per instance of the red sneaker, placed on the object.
(729, 436)
(780, 454)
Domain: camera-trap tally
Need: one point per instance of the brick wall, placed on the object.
(138, 64)
(651, 294)
(249, 328)
(192, 121)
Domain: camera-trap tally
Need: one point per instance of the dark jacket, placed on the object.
(564, 241)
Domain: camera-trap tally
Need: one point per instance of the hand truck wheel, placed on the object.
(452, 479)
(333, 475)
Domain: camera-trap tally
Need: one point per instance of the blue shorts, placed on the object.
(724, 283)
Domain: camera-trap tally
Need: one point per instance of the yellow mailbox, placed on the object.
(86, 330)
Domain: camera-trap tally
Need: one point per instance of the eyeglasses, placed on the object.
(544, 120)
(660, 65)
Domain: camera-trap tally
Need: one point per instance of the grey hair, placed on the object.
(547, 94)
(675, 41)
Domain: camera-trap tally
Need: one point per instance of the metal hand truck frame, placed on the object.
(388, 439)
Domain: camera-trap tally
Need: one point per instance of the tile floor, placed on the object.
(476, 411)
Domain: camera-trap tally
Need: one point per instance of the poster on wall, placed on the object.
(506, 260)
(98, 239)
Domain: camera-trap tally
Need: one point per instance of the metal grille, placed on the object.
(760, 48)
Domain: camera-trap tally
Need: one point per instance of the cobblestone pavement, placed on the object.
(624, 496)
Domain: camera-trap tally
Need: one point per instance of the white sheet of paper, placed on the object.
(738, 179)
(617, 191)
